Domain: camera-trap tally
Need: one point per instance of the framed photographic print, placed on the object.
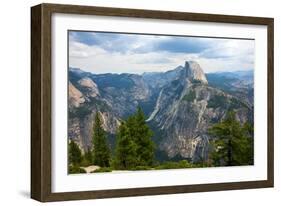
(130, 102)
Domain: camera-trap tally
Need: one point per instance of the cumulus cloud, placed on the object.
(101, 52)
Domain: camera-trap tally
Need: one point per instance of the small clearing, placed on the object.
(91, 168)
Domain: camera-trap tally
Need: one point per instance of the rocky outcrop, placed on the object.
(89, 84)
(124, 92)
(184, 119)
(83, 106)
(180, 105)
(75, 96)
(194, 72)
(81, 129)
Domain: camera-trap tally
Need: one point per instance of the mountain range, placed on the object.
(180, 105)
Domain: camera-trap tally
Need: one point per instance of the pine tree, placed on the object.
(134, 146)
(125, 152)
(74, 153)
(88, 157)
(233, 143)
(142, 135)
(101, 152)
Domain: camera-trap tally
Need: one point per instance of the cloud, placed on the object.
(123, 43)
(101, 52)
(111, 42)
(183, 45)
(80, 50)
(83, 37)
(229, 48)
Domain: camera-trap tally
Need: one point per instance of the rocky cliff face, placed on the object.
(85, 101)
(194, 72)
(185, 109)
(184, 119)
(75, 96)
(89, 85)
(180, 105)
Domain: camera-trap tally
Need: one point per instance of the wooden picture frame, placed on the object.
(41, 117)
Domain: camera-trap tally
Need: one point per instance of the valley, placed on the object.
(180, 106)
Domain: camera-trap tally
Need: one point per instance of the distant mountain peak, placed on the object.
(76, 70)
(195, 72)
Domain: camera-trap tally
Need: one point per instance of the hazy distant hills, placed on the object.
(180, 105)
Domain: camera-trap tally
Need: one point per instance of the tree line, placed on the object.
(134, 146)
(231, 144)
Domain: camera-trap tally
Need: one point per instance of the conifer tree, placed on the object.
(233, 143)
(74, 154)
(142, 135)
(88, 156)
(134, 145)
(125, 152)
(101, 151)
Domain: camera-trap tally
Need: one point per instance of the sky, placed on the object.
(103, 52)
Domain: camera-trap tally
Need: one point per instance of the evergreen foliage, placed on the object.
(175, 165)
(190, 96)
(142, 135)
(134, 150)
(101, 151)
(76, 170)
(217, 101)
(125, 152)
(134, 144)
(102, 169)
(74, 153)
(233, 142)
(87, 158)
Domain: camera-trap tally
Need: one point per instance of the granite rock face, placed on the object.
(75, 96)
(180, 105)
(194, 72)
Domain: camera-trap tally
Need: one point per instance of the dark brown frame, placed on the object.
(41, 101)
